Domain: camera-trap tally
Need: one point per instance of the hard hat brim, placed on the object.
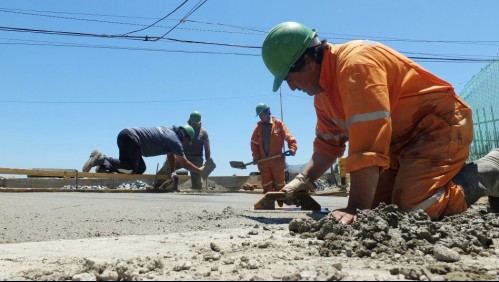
(277, 82)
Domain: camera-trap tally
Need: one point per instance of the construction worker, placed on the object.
(134, 143)
(268, 141)
(194, 150)
(409, 133)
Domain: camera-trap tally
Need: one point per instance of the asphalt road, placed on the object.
(27, 217)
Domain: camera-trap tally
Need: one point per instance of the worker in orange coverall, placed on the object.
(409, 133)
(267, 141)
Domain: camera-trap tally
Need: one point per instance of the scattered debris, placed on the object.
(134, 185)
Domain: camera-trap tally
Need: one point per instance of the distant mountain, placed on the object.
(295, 168)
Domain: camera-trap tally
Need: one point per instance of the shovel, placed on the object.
(242, 165)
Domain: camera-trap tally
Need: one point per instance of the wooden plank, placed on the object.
(31, 190)
(74, 173)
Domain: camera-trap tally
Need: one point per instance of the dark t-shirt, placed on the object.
(156, 141)
(197, 146)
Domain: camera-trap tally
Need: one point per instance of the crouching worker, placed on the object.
(194, 153)
(409, 133)
(136, 143)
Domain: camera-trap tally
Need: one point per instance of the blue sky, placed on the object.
(62, 96)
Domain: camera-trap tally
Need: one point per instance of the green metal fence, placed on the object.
(486, 124)
(482, 94)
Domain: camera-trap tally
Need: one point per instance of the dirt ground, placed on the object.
(383, 245)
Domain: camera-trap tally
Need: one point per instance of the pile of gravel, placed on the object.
(135, 185)
(387, 233)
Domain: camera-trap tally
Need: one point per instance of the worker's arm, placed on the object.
(290, 139)
(171, 163)
(304, 181)
(255, 145)
(362, 190)
(318, 165)
(187, 164)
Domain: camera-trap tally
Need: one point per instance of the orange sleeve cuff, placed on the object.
(361, 160)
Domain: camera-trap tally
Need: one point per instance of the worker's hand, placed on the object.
(208, 167)
(301, 183)
(345, 216)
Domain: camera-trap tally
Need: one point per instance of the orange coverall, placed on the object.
(272, 171)
(398, 116)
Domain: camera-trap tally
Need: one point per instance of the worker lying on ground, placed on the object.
(134, 143)
(409, 133)
(267, 141)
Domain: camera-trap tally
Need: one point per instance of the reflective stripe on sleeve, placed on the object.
(368, 117)
(329, 136)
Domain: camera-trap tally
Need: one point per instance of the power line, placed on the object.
(29, 13)
(259, 30)
(74, 45)
(200, 3)
(133, 102)
(153, 24)
(430, 58)
(421, 56)
(135, 38)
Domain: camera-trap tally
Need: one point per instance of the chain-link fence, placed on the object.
(482, 94)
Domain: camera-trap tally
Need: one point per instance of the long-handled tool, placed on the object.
(242, 165)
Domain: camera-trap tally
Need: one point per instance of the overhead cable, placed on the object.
(153, 24)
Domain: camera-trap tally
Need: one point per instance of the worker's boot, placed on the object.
(170, 185)
(481, 178)
(96, 158)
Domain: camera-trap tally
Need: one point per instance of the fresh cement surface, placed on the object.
(217, 236)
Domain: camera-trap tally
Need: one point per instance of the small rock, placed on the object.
(308, 275)
(263, 245)
(445, 254)
(108, 275)
(183, 265)
(84, 277)
(253, 264)
(335, 275)
(214, 247)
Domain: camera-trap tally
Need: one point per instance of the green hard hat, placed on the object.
(260, 108)
(283, 46)
(195, 117)
(189, 130)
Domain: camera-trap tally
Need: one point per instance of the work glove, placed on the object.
(208, 168)
(300, 184)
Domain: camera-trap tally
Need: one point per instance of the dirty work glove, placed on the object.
(301, 184)
(209, 166)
